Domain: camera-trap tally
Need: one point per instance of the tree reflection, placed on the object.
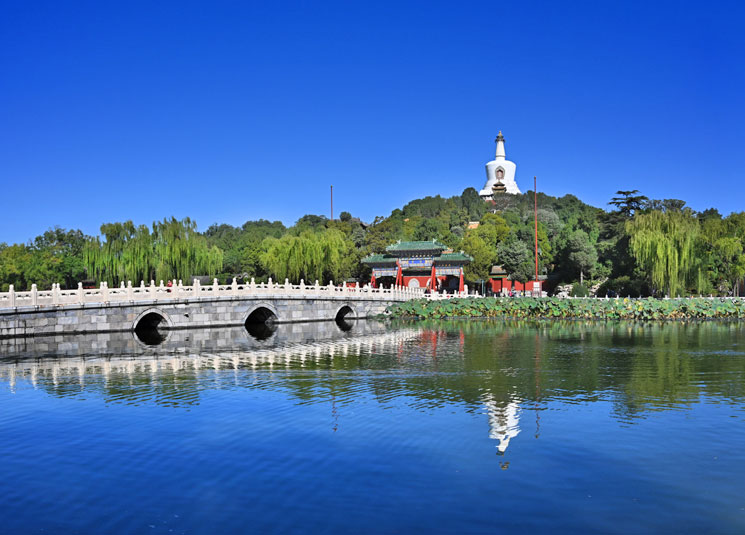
(503, 368)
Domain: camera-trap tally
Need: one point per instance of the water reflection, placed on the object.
(504, 420)
(595, 422)
(261, 331)
(502, 368)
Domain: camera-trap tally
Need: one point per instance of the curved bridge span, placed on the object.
(128, 308)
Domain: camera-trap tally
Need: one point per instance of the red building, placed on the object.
(416, 263)
(500, 283)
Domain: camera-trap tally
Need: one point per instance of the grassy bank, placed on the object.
(550, 307)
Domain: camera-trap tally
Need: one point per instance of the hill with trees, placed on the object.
(639, 246)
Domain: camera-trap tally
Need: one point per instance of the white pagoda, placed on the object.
(500, 173)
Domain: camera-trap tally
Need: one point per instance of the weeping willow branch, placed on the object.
(663, 245)
(310, 256)
(173, 250)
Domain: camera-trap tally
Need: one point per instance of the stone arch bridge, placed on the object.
(129, 308)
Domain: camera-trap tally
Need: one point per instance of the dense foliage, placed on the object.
(173, 250)
(550, 307)
(638, 247)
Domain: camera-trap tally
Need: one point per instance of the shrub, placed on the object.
(580, 290)
(623, 287)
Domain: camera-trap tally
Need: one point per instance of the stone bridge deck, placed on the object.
(127, 308)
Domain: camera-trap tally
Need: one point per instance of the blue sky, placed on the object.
(230, 111)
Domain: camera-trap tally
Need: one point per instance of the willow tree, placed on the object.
(174, 249)
(663, 245)
(124, 253)
(310, 256)
(181, 252)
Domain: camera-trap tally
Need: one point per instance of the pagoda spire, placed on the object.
(500, 146)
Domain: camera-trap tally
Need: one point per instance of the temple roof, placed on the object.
(497, 270)
(379, 259)
(443, 257)
(433, 245)
(463, 257)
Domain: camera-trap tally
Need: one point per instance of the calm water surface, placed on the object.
(468, 427)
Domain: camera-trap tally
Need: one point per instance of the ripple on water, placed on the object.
(474, 426)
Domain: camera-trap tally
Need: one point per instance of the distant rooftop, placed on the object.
(379, 259)
(433, 245)
(455, 256)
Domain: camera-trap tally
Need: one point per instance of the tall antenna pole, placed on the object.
(535, 217)
(332, 203)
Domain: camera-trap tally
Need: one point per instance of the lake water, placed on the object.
(429, 427)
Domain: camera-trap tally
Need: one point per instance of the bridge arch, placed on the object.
(148, 323)
(260, 321)
(152, 317)
(261, 312)
(347, 310)
(344, 316)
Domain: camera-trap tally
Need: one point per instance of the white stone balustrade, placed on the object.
(56, 297)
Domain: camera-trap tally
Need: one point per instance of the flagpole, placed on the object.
(535, 217)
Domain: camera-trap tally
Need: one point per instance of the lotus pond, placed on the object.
(583, 308)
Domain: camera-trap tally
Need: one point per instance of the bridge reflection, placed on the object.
(501, 370)
(125, 369)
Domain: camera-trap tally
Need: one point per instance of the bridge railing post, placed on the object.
(288, 287)
(316, 288)
(215, 288)
(34, 295)
(302, 287)
(196, 288)
(269, 285)
(153, 289)
(252, 286)
(331, 287)
(11, 296)
(234, 286)
(81, 293)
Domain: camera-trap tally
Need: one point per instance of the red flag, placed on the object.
(372, 280)
(433, 284)
(399, 275)
(460, 284)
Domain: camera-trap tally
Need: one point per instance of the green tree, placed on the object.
(15, 261)
(174, 249)
(481, 243)
(57, 257)
(311, 256)
(582, 254)
(484, 256)
(729, 252)
(517, 260)
(663, 245)
(628, 202)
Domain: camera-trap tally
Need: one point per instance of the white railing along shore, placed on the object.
(57, 297)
